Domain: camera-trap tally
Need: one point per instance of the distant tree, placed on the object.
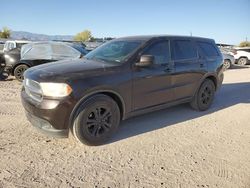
(5, 33)
(108, 38)
(245, 44)
(83, 36)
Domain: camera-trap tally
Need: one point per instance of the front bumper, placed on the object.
(50, 116)
(45, 127)
(220, 80)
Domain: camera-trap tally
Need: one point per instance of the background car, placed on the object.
(2, 60)
(228, 60)
(11, 54)
(242, 55)
(37, 53)
(13, 44)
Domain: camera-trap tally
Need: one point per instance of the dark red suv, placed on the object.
(120, 79)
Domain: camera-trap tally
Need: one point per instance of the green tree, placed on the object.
(83, 36)
(245, 44)
(5, 33)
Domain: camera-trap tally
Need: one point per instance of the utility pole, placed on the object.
(191, 34)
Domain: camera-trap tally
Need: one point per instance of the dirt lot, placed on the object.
(176, 147)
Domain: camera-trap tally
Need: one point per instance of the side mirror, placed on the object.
(145, 61)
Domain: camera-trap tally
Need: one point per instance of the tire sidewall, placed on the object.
(245, 61)
(16, 69)
(211, 86)
(80, 129)
(227, 62)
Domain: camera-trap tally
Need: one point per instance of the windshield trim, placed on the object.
(128, 56)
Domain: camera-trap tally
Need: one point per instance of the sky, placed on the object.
(226, 21)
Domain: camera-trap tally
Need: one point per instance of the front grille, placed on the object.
(33, 89)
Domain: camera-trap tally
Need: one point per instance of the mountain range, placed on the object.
(38, 37)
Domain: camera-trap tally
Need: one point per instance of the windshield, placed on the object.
(114, 51)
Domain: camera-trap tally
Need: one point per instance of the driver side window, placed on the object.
(160, 51)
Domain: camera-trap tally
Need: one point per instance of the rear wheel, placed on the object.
(204, 97)
(242, 61)
(19, 70)
(97, 121)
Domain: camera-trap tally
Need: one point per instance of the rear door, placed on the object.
(189, 67)
(152, 85)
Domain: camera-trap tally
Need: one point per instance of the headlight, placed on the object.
(11, 60)
(55, 89)
(6, 56)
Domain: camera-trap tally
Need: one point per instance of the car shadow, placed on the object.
(235, 66)
(228, 95)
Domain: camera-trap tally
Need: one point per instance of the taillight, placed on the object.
(234, 52)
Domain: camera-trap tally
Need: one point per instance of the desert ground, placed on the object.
(176, 147)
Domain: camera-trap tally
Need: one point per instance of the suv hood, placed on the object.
(62, 70)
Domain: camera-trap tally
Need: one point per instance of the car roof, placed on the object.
(18, 41)
(242, 48)
(149, 37)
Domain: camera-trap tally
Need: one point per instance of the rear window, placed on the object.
(183, 49)
(245, 50)
(208, 49)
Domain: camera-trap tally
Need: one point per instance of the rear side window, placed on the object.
(160, 51)
(208, 49)
(183, 49)
(61, 51)
(245, 50)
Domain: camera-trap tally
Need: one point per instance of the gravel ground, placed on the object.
(176, 147)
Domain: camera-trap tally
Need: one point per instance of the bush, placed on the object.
(245, 44)
(83, 36)
(5, 33)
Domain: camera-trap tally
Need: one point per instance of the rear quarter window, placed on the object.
(183, 49)
(208, 49)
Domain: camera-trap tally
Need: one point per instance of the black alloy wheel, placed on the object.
(96, 120)
(204, 96)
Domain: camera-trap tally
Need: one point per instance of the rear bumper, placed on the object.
(220, 80)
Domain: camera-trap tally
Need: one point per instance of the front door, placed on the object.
(152, 85)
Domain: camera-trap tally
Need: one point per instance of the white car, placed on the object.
(12, 44)
(242, 55)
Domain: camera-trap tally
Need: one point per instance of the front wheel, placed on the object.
(204, 97)
(227, 64)
(97, 121)
(19, 71)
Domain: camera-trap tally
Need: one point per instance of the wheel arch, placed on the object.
(112, 94)
(211, 77)
(228, 60)
(243, 57)
(214, 79)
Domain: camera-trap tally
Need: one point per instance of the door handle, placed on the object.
(201, 65)
(167, 70)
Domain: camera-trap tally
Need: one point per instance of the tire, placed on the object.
(204, 96)
(19, 70)
(242, 61)
(4, 74)
(97, 120)
(227, 64)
